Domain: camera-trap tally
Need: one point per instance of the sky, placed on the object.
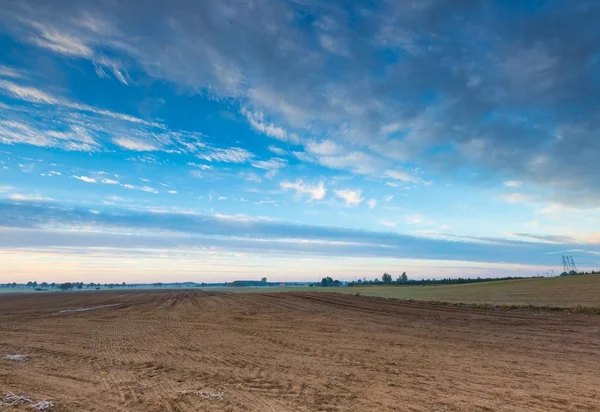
(219, 140)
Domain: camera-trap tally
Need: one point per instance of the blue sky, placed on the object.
(216, 140)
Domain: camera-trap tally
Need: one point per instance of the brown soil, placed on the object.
(202, 351)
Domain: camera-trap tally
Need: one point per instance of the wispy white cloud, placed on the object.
(28, 94)
(258, 122)
(101, 62)
(267, 202)
(140, 188)
(277, 150)
(86, 179)
(272, 166)
(229, 155)
(59, 42)
(275, 163)
(323, 148)
(314, 192)
(512, 183)
(353, 161)
(402, 175)
(81, 127)
(6, 71)
(148, 189)
(29, 198)
(148, 159)
(351, 197)
(80, 43)
(372, 203)
(251, 177)
(172, 192)
(134, 144)
(34, 95)
(199, 166)
(12, 132)
(543, 238)
(108, 181)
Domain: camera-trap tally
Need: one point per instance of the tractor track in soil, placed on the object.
(165, 350)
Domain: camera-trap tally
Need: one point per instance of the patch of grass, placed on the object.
(579, 294)
(558, 292)
(586, 310)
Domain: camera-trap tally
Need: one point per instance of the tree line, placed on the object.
(402, 280)
(386, 279)
(573, 273)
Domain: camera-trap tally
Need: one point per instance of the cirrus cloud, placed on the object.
(314, 192)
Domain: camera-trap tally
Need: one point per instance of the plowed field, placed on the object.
(202, 351)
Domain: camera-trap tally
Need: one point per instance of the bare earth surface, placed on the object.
(203, 351)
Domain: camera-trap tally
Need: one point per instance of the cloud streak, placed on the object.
(28, 225)
(350, 197)
(313, 192)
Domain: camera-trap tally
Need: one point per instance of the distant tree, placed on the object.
(404, 277)
(34, 284)
(263, 280)
(29, 284)
(328, 281)
(66, 286)
(123, 284)
(44, 285)
(386, 278)
(53, 285)
(14, 284)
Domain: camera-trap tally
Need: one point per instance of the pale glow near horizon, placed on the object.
(104, 267)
